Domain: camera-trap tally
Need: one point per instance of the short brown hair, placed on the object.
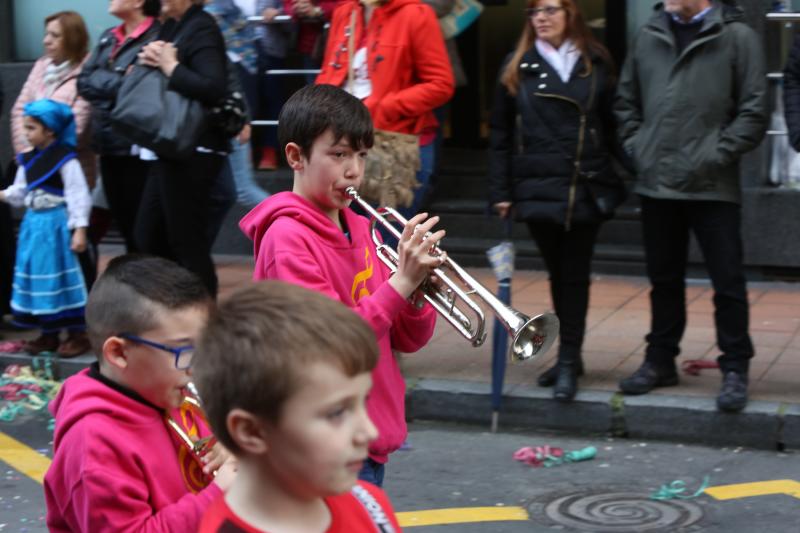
(76, 38)
(256, 344)
(127, 296)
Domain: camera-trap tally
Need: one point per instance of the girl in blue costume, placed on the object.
(49, 291)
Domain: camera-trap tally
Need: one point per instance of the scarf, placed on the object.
(562, 59)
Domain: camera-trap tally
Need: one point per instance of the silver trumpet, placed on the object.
(531, 336)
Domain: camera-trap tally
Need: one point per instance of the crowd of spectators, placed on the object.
(564, 127)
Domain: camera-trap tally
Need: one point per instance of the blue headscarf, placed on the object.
(56, 117)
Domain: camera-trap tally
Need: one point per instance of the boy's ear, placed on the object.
(294, 156)
(114, 353)
(248, 431)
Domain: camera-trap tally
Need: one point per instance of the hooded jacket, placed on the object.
(687, 118)
(116, 467)
(296, 242)
(406, 60)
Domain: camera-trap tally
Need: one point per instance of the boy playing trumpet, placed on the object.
(309, 237)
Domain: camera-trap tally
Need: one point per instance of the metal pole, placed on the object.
(292, 72)
(783, 17)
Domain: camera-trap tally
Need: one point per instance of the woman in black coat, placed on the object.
(173, 218)
(122, 171)
(551, 130)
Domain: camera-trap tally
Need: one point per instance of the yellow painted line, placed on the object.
(22, 458)
(461, 515)
(34, 465)
(759, 488)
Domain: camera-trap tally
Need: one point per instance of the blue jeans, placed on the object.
(427, 157)
(372, 472)
(221, 198)
(248, 193)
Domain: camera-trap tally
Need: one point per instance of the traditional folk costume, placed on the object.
(49, 291)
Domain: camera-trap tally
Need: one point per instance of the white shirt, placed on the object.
(562, 59)
(362, 86)
(76, 194)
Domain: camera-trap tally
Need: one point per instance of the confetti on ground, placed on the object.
(676, 490)
(27, 388)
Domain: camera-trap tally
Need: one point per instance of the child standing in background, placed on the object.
(49, 291)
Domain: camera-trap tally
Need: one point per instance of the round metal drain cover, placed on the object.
(618, 512)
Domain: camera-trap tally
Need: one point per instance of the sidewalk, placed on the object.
(450, 380)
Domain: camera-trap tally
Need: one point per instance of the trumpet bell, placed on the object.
(534, 337)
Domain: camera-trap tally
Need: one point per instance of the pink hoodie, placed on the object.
(116, 467)
(294, 241)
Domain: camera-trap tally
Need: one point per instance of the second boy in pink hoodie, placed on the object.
(310, 237)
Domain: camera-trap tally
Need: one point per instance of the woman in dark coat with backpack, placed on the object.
(551, 135)
(173, 219)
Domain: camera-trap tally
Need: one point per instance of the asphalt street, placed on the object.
(464, 479)
(458, 467)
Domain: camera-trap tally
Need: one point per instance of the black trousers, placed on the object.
(717, 226)
(173, 219)
(568, 257)
(124, 178)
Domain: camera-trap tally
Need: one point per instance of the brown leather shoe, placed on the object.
(46, 342)
(76, 344)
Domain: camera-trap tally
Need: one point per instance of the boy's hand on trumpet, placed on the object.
(414, 250)
(218, 461)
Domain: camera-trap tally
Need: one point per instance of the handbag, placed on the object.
(463, 14)
(390, 171)
(230, 114)
(149, 114)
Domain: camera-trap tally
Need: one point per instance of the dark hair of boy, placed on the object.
(258, 343)
(314, 109)
(151, 8)
(131, 291)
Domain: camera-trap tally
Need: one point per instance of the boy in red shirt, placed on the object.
(284, 374)
(311, 238)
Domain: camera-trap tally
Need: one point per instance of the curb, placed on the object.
(762, 425)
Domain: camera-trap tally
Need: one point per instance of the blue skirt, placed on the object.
(49, 290)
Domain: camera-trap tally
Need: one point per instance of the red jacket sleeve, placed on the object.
(432, 68)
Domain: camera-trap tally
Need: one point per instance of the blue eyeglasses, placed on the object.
(183, 354)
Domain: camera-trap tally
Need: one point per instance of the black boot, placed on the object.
(548, 377)
(566, 382)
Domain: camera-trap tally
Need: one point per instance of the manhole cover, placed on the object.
(618, 512)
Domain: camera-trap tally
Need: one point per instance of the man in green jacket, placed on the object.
(691, 101)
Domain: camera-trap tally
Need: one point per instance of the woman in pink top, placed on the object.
(54, 76)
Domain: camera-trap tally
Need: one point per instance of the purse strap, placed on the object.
(351, 41)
